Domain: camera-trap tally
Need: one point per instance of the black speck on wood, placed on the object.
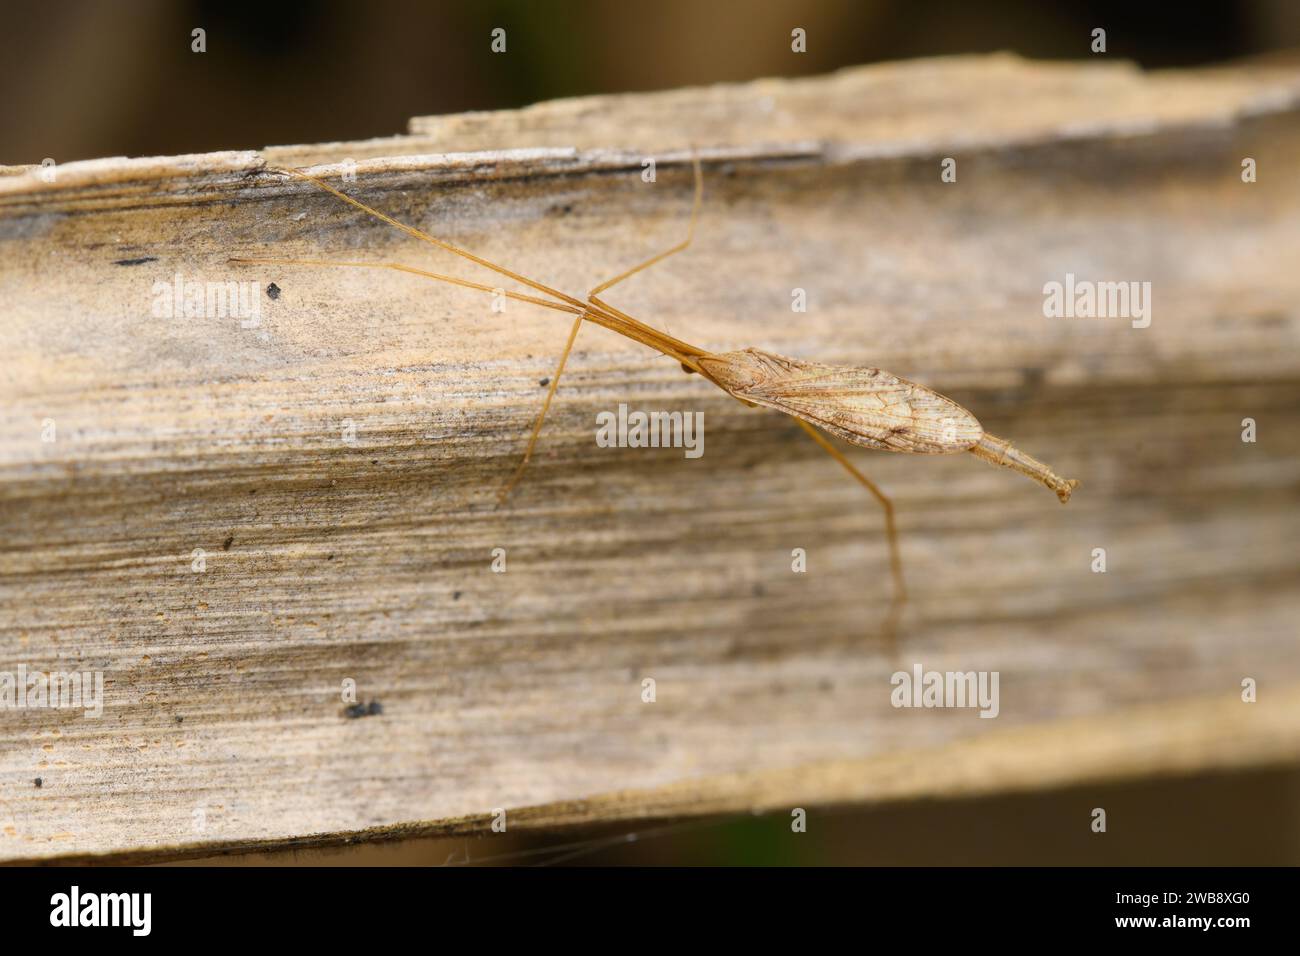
(273, 291)
(135, 262)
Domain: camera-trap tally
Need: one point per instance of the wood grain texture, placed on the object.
(369, 559)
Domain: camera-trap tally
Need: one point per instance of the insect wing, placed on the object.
(865, 406)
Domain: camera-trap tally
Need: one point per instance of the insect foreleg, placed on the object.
(546, 404)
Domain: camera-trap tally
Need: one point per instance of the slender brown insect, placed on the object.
(863, 406)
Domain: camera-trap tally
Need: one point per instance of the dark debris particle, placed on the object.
(363, 710)
(544, 382)
(38, 783)
(225, 545)
(273, 291)
(329, 557)
(135, 262)
(455, 595)
(180, 719)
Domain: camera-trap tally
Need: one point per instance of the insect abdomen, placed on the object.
(864, 406)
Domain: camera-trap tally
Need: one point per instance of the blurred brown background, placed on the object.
(101, 78)
(91, 78)
(1247, 819)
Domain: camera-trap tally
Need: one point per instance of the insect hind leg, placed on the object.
(899, 598)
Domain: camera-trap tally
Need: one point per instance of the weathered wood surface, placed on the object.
(223, 724)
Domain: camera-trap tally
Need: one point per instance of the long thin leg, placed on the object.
(627, 326)
(537, 428)
(619, 322)
(690, 236)
(593, 297)
(398, 267)
(432, 240)
(895, 560)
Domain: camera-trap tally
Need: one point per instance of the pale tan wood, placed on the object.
(1167, 739)
(328, 560)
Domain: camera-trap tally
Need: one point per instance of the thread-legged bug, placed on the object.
(863, 406)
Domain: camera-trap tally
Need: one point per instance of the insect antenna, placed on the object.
(399, 267)
(432, 240)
